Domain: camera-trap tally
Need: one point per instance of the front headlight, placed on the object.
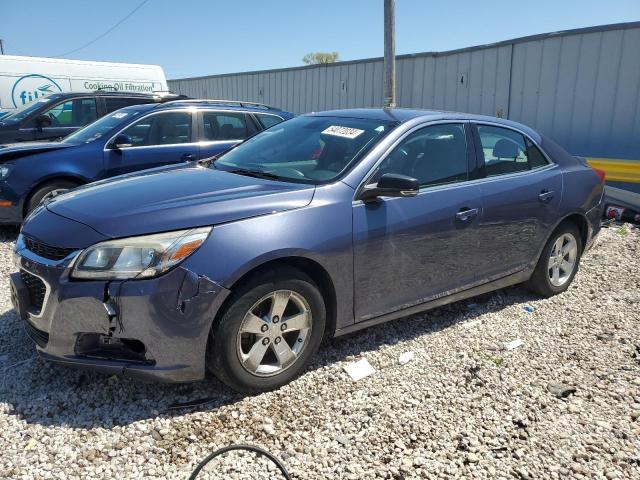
(138, 257)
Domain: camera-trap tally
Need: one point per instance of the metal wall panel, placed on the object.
(580, 87)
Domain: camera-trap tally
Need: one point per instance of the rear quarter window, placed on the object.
(268, 120)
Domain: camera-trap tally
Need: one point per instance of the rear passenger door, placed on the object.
(161, 138)
(219, 130)
(521, 191)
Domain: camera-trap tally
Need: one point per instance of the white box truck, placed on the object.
(24, 80)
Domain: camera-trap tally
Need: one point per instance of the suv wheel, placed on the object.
(271, 329)
(558, 263)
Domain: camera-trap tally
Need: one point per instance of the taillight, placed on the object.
(601, 174)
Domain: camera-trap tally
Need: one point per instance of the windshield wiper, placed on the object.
(207, 162)
(255, 173)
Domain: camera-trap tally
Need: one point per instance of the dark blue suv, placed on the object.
(132, 138)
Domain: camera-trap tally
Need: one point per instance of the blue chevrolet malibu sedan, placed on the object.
(134, 138)
(318, 226)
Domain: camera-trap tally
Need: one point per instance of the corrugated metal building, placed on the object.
(581, 87)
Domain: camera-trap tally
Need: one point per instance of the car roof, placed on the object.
(403, 115)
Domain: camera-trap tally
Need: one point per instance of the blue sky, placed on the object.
(201, 37)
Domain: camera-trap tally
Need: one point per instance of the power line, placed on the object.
(105, 33)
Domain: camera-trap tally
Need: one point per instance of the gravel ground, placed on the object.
(565, 404)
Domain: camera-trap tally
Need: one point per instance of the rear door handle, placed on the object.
(545, 196)
(187, 157)
(466, 214)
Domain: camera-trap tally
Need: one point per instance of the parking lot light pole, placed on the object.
(389, 53)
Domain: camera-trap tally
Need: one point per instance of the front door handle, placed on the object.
(188, 157)
(466, 214)
(545, 196)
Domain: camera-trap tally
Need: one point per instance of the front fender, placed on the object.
(321, 232)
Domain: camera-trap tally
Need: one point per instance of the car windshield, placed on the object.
(310, 149)
(101, 127)
(25, 112)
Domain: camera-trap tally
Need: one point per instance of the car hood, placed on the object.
(12, 151)
(174, 199)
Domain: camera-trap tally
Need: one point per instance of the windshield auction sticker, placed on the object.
(345, 132)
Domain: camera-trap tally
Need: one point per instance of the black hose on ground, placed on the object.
(249, 448)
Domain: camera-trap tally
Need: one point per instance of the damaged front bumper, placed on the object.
(155, 329)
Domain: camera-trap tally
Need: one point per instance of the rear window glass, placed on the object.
(507, 151)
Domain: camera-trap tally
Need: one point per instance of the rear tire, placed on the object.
(271, 328)
(559, 261)
(50, 189)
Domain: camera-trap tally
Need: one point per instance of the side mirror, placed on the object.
(43, 121)
(391, 185)
(122, 141)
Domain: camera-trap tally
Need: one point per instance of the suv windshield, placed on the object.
(25, 112)
(306, 149)
(101, 127)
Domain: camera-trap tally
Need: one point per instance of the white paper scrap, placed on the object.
(405, 358)
(472, 323)
(346, 132)
(513, 344)
(360, 369)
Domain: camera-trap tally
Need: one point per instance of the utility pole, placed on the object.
(1, 47)
(389, 53)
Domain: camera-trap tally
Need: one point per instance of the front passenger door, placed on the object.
(162, 138)
(410, 250)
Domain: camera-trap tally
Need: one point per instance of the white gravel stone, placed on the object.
(462, 408)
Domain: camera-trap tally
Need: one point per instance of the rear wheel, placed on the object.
(267, 335)
(47, 191)
(558, 263)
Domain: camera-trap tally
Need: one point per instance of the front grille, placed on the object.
(37, 291)
(41, 338)
(47, 251)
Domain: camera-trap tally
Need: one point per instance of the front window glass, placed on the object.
(167, 128)
(306, 149)
(102, 127)
(74, 113)
(433, 155)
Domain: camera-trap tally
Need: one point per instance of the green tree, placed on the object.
(315, 58)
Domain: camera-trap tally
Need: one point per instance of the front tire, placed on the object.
(48, 190)
(559, 261)
(272, 327)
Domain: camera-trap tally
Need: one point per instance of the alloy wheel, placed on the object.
(562, 259)
(274, 332)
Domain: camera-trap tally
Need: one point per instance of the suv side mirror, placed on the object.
(391, 185)
(43, 121)
(122, 141)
